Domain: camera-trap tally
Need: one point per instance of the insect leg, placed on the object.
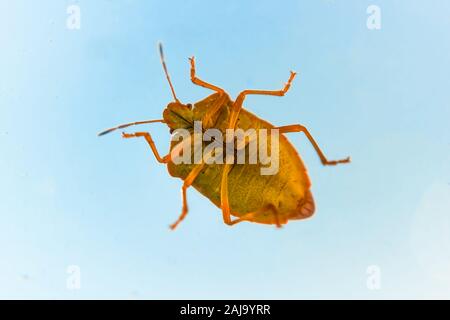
(224, 204)
(219, 102)
(249, 216)
(300, 128)
(202, 83)
(150, 141)
(237, 106)
(280, 93)
(186, 184)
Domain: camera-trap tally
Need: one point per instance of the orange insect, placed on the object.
(239, 189)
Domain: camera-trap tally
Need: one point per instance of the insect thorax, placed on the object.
(181, 116)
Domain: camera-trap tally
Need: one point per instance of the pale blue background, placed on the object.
(104, 204)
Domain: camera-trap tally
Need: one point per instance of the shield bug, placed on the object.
(238, 189)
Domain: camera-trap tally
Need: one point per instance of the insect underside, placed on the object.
(243, 164)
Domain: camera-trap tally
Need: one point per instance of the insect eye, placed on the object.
(189, 106)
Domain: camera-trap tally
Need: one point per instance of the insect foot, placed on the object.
(335, 162)
(128, 135)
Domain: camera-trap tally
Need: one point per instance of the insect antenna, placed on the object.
(128, 125)
(163, 62)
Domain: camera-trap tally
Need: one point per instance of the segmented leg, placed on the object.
(151, 143)
(249, 216)
(237, 106)
(300, 128)
(186, 184)
(241, 97)
(207, 118)
(202, 83)
(224, 204)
